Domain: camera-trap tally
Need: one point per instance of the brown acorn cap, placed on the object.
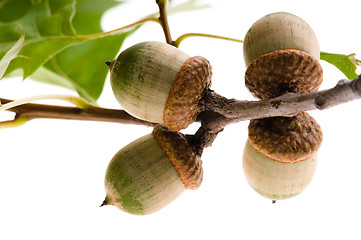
(281, 71)
(181, 108)
(179, 153)
(286, 139)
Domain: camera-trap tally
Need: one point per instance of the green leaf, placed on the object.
(11, 54)
(347, 64)
(46, 34)
(12, 10)
(49, 29)
(36, 52)
(58, 18)
(84, 64)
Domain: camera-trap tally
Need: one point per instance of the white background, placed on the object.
(52, 171)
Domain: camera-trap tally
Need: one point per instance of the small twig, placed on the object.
(16, 122)
(31, 111)
(178, 41)
(163, 18)
(121, 29)
(207, 133)
(77, 101)
(286, 105)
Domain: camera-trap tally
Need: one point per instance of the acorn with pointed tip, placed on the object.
(282, 54)
(280, 156)
(151, 172)
(159, 83)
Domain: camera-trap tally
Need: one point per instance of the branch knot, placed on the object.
(356, 85)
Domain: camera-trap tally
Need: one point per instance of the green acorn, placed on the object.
(280, 156)
(151, 172)
(159, 83)
(282, 55)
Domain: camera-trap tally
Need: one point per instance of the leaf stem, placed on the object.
(31, 111)
(163, 18)
(178, 41)
(12, 53)
(77, 101)
(121, 29)
(18, 121)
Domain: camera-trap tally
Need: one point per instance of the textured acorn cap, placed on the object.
(286, 139)
(279, 30)
(181, 108)
(187, 164)
(281, 71)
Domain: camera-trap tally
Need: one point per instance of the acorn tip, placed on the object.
(104, 203)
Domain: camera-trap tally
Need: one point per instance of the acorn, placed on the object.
(280, 156)
(151, 172)
(282, 54)
(157, 82)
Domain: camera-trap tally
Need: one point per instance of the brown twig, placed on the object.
(216, 111)
(31, 111)
(286, 105)
(163, 18)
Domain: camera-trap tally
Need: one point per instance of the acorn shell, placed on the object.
(151, 172)
(277, 180)
(157, 82)
(279, 30)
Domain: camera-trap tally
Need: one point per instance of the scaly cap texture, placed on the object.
(181, 108)
(281, 71)
(185, 161)
(286, 139)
